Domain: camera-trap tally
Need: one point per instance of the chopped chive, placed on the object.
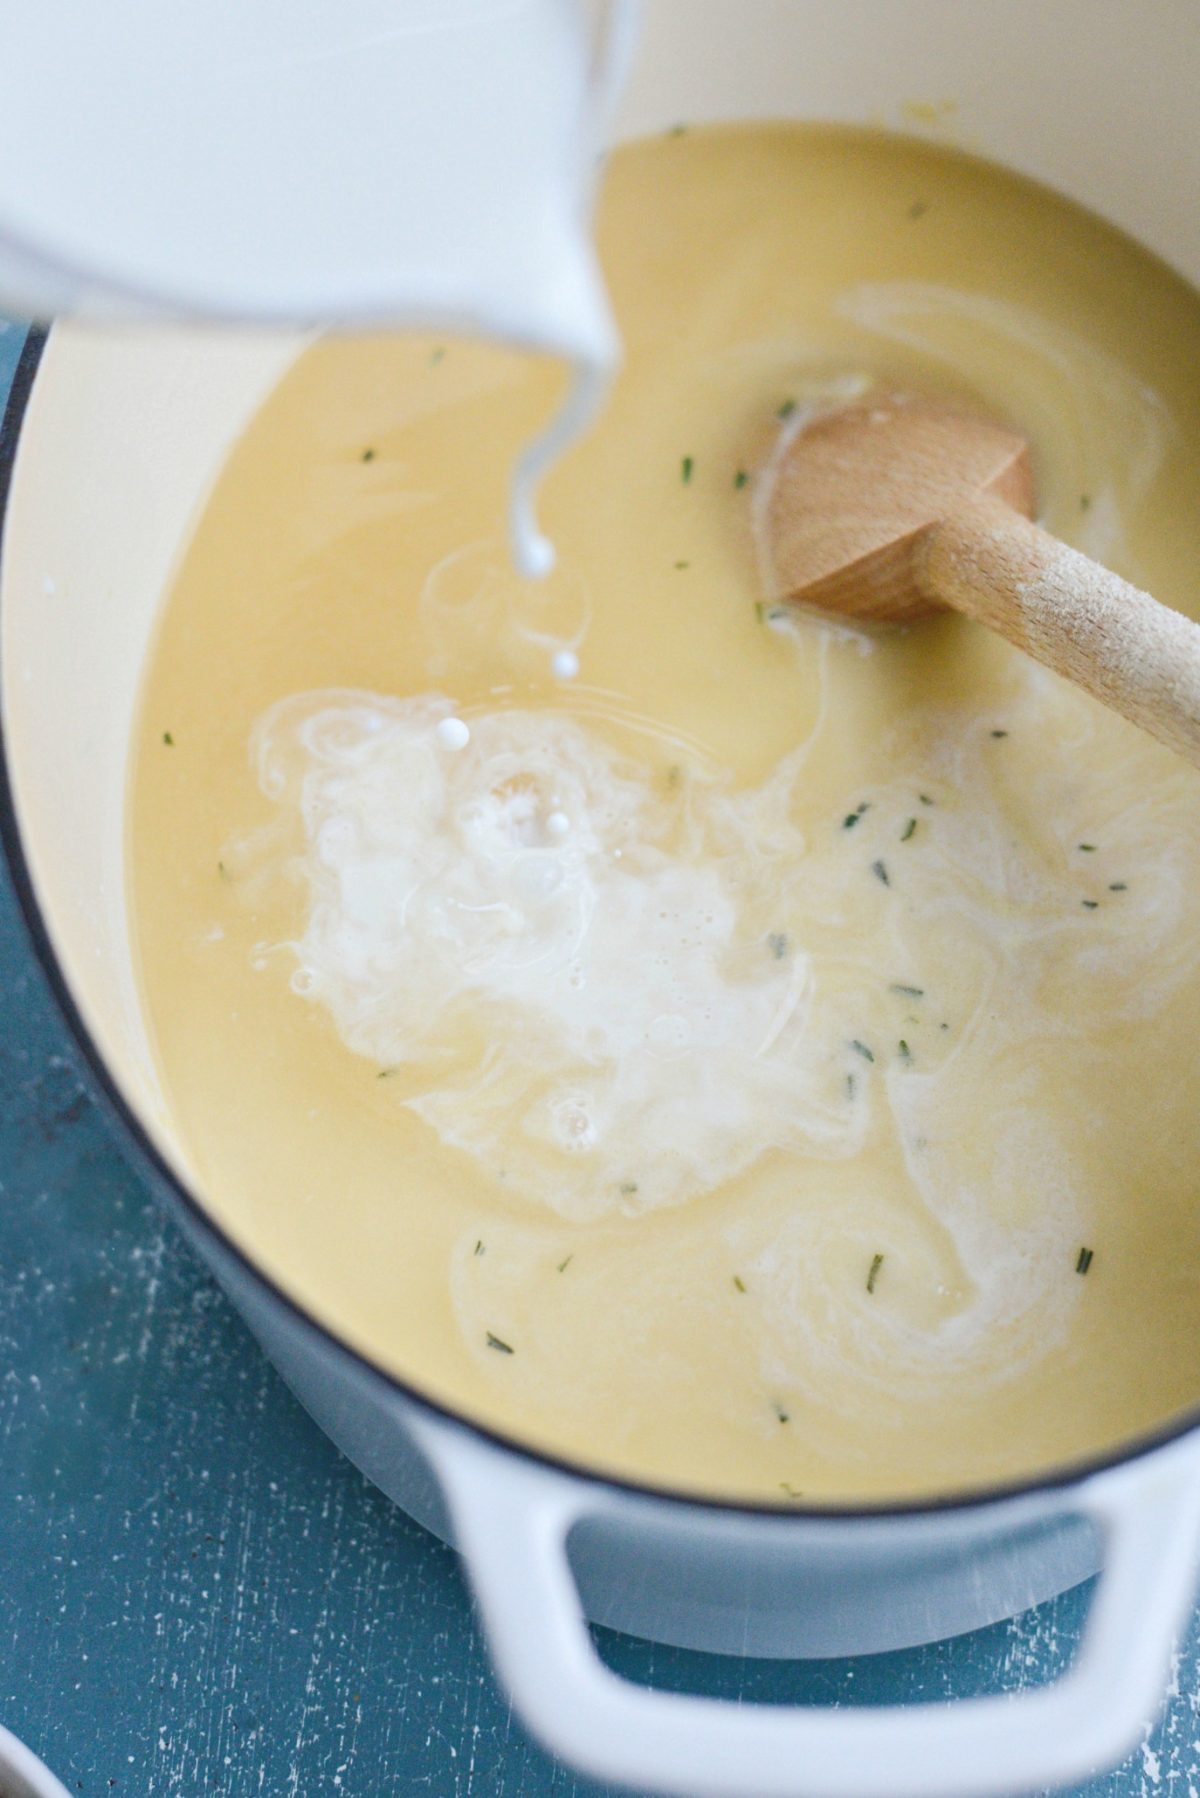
(999, 733)
(786, 410)
(1118, 886)
(873, 1275)
(739, 1282)
(909, 830)
(781, 1414)
(862, 1049)
(685, 469)
(436, 357)
(223, 871)
(792, 1491)
(879, 870)
(168, 739)
(918, 209)
(943, 1026)
(1085, 502)
(1090, 904)
(777, 943)
(479, 1249)
(368, 455)
(924, 798)
(677, 131)
(851, 1086)
(628, 1187)
(498, 1343)
(909, 992)
(739, 480)
(564, 1265)
(1084, 1261)
(683, 564)
(1088, 848)
(852, 818)
(386, 1073)
(674, 775)
(905, 1051)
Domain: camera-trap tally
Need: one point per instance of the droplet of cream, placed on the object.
(452, 733)
(558, 824)
(565, 665)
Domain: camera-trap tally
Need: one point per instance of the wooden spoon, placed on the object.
(889, 510)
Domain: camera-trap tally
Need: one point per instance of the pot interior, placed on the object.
(124, 432)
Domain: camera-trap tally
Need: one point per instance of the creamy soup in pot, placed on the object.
(710, 1043)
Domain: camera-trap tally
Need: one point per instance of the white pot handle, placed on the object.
(513, 1518)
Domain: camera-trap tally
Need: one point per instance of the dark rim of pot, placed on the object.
(169, 1187)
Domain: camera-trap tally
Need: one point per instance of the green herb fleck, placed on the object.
(862, 1049)
(1090, 904)
(909, 992)
(879, 870)
(1084, 1261)
(674, 775)
(436, 356)
(852, 818)
(1088, 848)
(918, 209)
(999, 733)
(943, 1026)
(683, 564)
(873, 1275)
(498, 1343)
(905, 1051)
(792, 1491)
(1085, 502)
(781, 1414)
(677, 131)
(168, 739)
(777, 943)
(479, 1248)
(1118, 886)
(685, 469)
(768, 614)
(739, 1282)
(368, 455)
(786, 410)
(564, 1265)
(924, 798)
(910, 830)
(851, 1086)
(739, 480)
(387, 1073)
(223, 871)
(628, 1188)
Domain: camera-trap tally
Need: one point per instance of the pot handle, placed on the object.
(513, 1518)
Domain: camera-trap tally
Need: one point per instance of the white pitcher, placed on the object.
(424, 162)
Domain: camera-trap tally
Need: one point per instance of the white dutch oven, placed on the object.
(116, 439)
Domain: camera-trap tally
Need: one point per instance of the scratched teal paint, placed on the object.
(199, 1598)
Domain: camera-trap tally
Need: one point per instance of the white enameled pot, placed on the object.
(112, 441)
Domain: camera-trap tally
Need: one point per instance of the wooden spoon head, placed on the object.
(857, 488)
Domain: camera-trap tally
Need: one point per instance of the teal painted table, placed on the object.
(198, 1596)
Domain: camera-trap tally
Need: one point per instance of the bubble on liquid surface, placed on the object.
(452, 733)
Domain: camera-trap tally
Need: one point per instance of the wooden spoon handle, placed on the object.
(1115, 641)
